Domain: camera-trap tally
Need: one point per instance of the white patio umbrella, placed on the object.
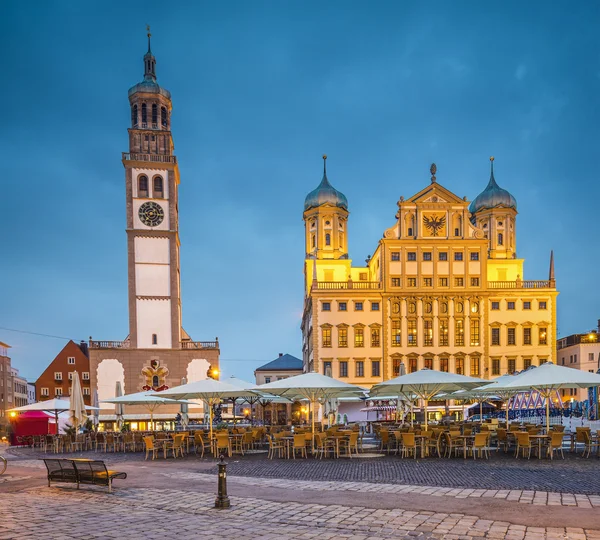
(96, 404)
(53, 406)
(549, 378)
(76, 404)
(148, 399)
(184, 409)
(209, 390)
(426, 383)
(119, 409)
(311, 386)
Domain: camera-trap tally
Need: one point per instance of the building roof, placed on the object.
(493, 196)
(325, 193)
(285, 362)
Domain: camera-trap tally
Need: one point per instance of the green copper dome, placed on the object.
(325, 194)
(493, 196)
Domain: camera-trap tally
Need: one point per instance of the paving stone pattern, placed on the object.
(527, 497)
(60, 513)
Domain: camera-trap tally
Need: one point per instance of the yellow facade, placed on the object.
(444, 289)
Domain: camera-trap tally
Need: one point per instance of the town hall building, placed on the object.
(158, 353)
(444, 290)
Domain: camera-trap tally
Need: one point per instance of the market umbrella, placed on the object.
(53, 406)
(119, 409)
(209, 390)
(183, 409)
(96, 412)
(311, 386)
(148, 399)
(426, 383)
(76, 404)
(549, 378)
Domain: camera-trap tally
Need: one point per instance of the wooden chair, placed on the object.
(555, 444)
(523, 444)
(350, 444)
(200, 443)
(480, 444)
(150, 446)
(275, 445)
(409, 445)
(175, 446)
(299, 446)
(223, 442)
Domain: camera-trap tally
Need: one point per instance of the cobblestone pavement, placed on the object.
(500, 472)
(60, 513)
(538, 498)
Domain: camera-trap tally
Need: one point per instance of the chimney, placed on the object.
(281, 354)
(84, 348)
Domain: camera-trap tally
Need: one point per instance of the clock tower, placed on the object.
(152, 180)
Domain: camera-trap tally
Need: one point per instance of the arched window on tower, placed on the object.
(157, 190)
(163, 116)
(144, 116)
(154, 115)
(327, 239)
(143, 186)
(500, 239)
(134, 115)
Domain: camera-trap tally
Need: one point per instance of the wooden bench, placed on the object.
(81, 471)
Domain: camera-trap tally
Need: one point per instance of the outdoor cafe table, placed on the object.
(465, 440)
(539, 439)
(337, 437)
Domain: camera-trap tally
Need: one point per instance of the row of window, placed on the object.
(428, 256)
(359, 337)
(58, 391)
(511, 336)
(495, 305)
(343, 306)
(512, 365)
(428, 282)
(58, 376)
(573, 358)
(359, 368)
(511, 305)
(157, 187)
(154, 115)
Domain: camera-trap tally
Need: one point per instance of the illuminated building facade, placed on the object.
(444, 290)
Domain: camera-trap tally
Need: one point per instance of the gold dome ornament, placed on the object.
(433, 170)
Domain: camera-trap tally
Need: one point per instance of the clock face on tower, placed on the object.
(151, 214)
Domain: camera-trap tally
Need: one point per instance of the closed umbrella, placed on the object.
(209, 390)
(548, 379)
(426, 383)
(119, 408)
(183, 409)
(76, 403)
(96, 411)
(312, 386)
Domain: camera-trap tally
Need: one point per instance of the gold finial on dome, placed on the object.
(324, 163)
(433, 170)
(491, 158)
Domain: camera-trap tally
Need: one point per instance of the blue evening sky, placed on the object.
(260, 91)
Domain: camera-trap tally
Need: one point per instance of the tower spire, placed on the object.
(324, 165)
(492, 179)
(149, 61)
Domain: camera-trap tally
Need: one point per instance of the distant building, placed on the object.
(6, 386)
(20, 389)
(579, 351)
(55, 381)
(284, 366)
(30, 393)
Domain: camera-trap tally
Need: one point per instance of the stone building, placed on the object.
(444, 289)
(6, 387)
(157, 353)
(20, 396)
(579, 351)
